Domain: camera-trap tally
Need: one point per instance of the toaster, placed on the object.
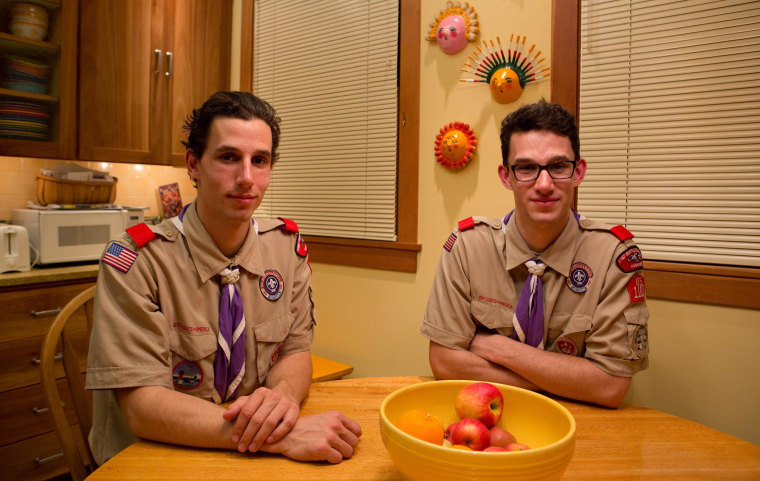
(14, 248)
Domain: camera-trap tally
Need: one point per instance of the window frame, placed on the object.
(676, 281)
(402, 254)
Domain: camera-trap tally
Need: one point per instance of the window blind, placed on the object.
(670, 125)
(330, 69)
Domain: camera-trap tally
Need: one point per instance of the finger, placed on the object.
(352, 426)
(333, 456)
(234, 409)
(243, 422)
(266, 427)
(346, 449)
(288, 422)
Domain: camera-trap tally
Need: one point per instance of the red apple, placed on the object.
(449, 430)
(516, 447)
(471, 433)
(501, 437)
(482, 401)
(494, 448)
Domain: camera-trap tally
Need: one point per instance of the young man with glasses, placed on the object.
(543, 298)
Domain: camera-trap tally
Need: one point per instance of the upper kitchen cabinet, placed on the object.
(38, 78)
(144, 65)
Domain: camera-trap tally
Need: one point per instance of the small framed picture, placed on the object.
(170, 199)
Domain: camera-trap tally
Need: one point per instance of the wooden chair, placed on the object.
(75, 447)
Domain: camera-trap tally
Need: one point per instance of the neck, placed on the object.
(228, 236)
(538, 237)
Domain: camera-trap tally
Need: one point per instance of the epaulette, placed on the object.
(289, 225)
(471, 222)
(141, 234)
(465, 224)
(621, 233)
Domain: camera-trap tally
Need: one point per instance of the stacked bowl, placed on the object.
(23, 120)
(29, 20)
(25, 74)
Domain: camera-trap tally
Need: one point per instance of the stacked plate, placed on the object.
(25, 74)
(23, 120)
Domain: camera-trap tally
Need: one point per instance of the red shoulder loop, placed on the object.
(289, 225)
(621, 232)
(141, 234)
(468, 223)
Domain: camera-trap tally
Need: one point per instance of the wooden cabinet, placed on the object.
(40, 121)
(29, 448)
(144, 65)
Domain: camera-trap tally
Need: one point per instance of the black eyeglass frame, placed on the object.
(541, 168)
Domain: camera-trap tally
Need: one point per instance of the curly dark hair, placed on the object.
(239, 105)
(541, 115)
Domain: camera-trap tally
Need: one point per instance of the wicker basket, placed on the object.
(62, 191)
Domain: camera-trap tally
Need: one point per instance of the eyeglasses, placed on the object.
(528, 171)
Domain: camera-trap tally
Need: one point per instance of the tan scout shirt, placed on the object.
(602, 315)
(157, 323)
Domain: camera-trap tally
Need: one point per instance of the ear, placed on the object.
(580, 172)
(504, 176)
(191, 161)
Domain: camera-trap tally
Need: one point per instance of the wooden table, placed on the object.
(630, 443)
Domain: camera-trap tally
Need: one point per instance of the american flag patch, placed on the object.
(450, 242)
(119, 257)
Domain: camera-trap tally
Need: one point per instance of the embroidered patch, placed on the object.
(187, 375)
(275, 355)
(450, 242)
(301, 249)
(271, 285)
(641, 340)
(636, 289)
(580, 277)
(119, 257)
(565, 345)
(630, 260)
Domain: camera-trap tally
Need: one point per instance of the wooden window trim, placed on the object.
(402, 254)
(676, 281)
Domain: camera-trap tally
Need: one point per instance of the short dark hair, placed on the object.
(238, 105)
(541, 115)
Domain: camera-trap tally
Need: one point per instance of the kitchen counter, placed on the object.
(40, 275)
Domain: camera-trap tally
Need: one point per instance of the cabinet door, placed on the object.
(200, 43)
(122, 81)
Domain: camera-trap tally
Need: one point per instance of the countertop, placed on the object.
(39, 275)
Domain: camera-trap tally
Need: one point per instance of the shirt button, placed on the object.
(170, 234)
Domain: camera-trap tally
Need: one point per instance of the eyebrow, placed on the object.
(227, 148)
(556, 158)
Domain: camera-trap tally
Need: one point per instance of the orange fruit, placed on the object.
(422, 425)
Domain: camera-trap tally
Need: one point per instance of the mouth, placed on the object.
(544, 202)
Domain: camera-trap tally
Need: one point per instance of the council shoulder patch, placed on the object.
(630, 260)
(301, 249)
(119, 257)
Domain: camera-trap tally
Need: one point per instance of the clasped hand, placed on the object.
(263, 417)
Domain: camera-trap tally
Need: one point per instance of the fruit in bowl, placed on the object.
(482, 401)
(533, 419)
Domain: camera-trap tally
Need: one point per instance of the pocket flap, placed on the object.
(491, 316)
(638, 314)
(274, 330)
(193, 347)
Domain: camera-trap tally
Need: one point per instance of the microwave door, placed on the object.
(77, 237)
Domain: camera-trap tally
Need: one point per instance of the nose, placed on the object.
(245, 174)
(544, 181)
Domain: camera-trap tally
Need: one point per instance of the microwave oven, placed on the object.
(58, 236)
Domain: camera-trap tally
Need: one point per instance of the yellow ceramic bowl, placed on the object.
(541, 423)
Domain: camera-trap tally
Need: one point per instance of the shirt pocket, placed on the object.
(567, 333)
(269, 337)
(638, 335)
(492, 317)
(193, 363)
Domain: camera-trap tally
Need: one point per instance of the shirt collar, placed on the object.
(559, 255)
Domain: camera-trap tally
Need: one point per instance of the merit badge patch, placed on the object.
(271, 285)
(630, 260)
(301, 249)
(450, 242)
(566, 346)
(641, 340)
(119, 257)
(580, 277)
(636, 289)
(187, 375)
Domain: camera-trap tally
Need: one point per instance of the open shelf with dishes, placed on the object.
(38, 75)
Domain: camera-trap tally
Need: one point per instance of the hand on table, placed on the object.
(263, 417)
(329, 436)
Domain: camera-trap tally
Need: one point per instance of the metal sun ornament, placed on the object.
(454, 26)
(507, 74)
(455, 145)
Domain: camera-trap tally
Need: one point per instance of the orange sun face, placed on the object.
(505, 85)
(455, 145)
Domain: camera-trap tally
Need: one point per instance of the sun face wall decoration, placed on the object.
(454, 26)
(455, 145)
(507, 74)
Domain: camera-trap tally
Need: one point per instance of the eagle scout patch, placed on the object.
(301, 249)
(636, 289)
(187, 375)
(630, 260)
(565, 345)
(119, 257)
(580, 277)
(450, 242)
(271, 285)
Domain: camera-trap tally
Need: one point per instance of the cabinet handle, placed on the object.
(159, 61)
(37, 410)
(49, 312)
(57, 357)
(38, 460)
(170, 58)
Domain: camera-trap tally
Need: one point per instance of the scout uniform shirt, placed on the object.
(156, 314)
(593, 291)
